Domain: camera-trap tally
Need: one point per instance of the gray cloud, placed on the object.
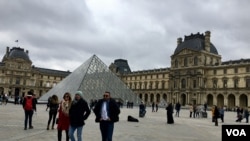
(63, 34)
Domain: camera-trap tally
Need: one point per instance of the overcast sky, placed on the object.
(63, 34)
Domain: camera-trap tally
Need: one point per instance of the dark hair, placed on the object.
(30, 92)
(107, 92)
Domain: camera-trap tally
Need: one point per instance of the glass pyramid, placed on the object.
(93, 78)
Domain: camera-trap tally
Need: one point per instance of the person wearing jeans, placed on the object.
(78, 113)
(78, 130)
(107, 113)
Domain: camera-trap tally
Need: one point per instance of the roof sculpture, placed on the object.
(93, 78)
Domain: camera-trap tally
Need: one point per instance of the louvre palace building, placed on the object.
(196, 76)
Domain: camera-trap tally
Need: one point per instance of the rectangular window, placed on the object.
(214, 83)
(18, 81)
(235, 70)
(247, 69)
(225, 71)
(215, 72)
(194, 83)
(41, 83)
(224, 83)
(248, 83)
(236, 83)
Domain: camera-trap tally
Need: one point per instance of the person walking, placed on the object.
(78, 113)
(170, 118)
(29, 106)
(107, 113)
(54, 104)
(63, 116)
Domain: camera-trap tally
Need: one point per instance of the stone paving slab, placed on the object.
(152, 127)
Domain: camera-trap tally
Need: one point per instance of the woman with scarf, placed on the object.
(63, 118)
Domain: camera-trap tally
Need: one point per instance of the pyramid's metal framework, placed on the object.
(93, 78)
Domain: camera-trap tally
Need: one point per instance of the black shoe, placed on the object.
(31, 127)
(25, 128)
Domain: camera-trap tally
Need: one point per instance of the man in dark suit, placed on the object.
(107, 113)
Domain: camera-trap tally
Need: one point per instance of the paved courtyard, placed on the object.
(152, 127)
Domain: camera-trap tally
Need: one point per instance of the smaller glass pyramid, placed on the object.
(93, 78)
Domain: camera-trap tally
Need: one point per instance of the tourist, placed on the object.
(191, 110)
(246, 114)
(29, 106)
(107, 113)
(63, 116)
(216, 115)
(78, 113)
(48, 103)
(177, 108)
(222, 111)
(54, 104)
(153, 107)
(170, 118)
(142, 110)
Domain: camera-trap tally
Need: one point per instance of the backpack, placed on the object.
(29, 104)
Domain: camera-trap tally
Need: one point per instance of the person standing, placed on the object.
(156, 107)
(191, 110)
(153, 107)
(78, 113)
(29, 106)
(222, 111)
(142, 110)
(205, 106)
(170, 119)
(107, 113)
(177, 108)
(48, 103)
(63, 117)
(246, 114)
(54, 104)
(216, 115)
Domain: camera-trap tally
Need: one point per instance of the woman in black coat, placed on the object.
(170, 119)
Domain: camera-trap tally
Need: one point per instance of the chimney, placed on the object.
(179, 41)
(207, 41)
(7, 51)
(27, 52)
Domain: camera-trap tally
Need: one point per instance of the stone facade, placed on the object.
(196, 76)
(18, 75)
